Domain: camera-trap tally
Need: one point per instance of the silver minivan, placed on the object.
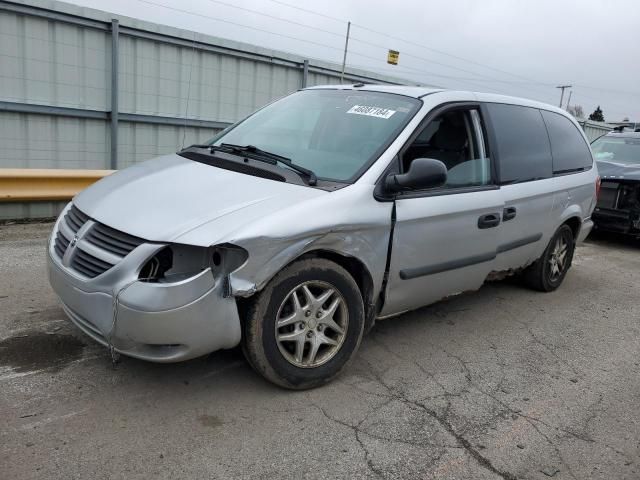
(292, 231)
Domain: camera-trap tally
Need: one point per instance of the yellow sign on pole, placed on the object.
(392, 57)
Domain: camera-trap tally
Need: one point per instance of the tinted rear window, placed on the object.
(522, 142)
(569, 150)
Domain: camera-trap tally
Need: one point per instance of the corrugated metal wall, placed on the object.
(53, 63)
(139, 142)
(174, 88)
(594, 130)
(157, 79)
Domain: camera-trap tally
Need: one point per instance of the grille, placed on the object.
(88, 265)
(99, 238)
(61, 244)
(112, 240)
(74, 219)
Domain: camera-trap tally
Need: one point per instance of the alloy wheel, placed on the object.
(558, 258)
(311, 324)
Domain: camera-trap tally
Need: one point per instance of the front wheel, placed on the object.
(547, 273)
(305, 326)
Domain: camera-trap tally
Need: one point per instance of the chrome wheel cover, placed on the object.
(311, 324)
(558, 258)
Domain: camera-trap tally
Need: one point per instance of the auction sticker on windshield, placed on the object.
(371, 111)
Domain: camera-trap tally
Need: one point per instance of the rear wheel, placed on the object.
(304, 327)
(547, 273)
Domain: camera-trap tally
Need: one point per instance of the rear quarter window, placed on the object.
(569, 150)
(522, 143)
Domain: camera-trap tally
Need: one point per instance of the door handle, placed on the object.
(489, 220)
(509, 213)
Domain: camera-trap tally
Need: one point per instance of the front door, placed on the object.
(445, 239)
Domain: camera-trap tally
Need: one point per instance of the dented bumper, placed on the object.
(159, 322)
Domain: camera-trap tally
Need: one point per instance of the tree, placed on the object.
(597, 115)
(576, 111)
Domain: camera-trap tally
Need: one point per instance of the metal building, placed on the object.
(82, 88)
(593, 129)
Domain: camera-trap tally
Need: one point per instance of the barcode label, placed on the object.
(371, 111)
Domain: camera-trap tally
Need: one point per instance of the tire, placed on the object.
(543, 275)
(317, 337)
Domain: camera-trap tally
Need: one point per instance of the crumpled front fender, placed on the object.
(267, 256)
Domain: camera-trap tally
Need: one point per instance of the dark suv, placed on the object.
(618, 158)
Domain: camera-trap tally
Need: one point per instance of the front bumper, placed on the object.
(150, 321)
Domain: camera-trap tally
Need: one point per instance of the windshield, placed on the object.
(334, 133)
(617, 150)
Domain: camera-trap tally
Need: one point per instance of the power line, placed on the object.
(469, 81)
(446, 65)
(308, 11)
(405, 69)
(363, 27)
(430, 61)
(392, 37)
(441, 52)
(331, 33)
(410, 70)
(609, 90)
(188, 12)
(275, 17)
(533, 83)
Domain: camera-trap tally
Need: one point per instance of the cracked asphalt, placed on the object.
(502, 383)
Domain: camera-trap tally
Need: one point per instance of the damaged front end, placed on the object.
(618, 207)
(156, 301)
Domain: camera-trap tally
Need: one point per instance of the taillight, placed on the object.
(598, 183)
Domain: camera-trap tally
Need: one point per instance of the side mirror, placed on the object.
(423, 173)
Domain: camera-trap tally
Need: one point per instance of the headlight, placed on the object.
(156, 268)
(175, 263)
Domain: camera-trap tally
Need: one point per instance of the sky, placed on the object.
(514, 47)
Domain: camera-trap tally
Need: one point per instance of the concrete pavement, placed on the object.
(501, 383)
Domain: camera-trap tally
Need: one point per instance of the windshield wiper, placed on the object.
(256, 153)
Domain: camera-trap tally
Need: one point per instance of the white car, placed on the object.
(294, 230)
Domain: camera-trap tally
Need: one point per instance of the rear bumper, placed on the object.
(150, 321)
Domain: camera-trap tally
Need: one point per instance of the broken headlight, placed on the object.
(175, 263)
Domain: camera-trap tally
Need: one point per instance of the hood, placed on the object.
(618, 171)
(168, 197)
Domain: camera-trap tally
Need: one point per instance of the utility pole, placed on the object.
(344, 58)
(569, 100)
(562, 87)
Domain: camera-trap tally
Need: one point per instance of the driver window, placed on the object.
(455, 138)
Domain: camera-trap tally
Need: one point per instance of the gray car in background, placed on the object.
(291, 232)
